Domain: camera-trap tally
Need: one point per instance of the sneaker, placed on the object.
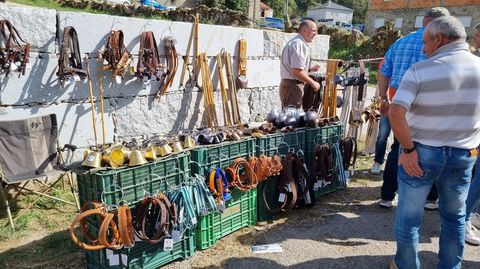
(376, 168)
(385, 203)
(392, 265)
(470, 236)
(475, 220)
(431, 205)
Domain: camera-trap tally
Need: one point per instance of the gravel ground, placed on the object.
(346, 229)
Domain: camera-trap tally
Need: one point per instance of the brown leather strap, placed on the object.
(83, 215)
(14, 51)
(109, 229)
(116, 54)
(243, 181)
(125, 226)
(148, 58)
(151, 210)
(69, 61)
(172, 62)
(84, 224)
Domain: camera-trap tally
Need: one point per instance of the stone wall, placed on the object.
(131, 110)
(409, 14)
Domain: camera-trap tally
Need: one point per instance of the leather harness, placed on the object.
(148, 66)
(69, 61)
(116, 54)
(172, 61)
(14, 53)
(348, 149)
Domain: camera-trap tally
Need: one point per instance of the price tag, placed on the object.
(315, 186)
(281, 197)
(137, 239)
(308, 199)
(124, 258)
(176, 236)
(324, 83)
(146, 81)
(28, 67)
(194, 221)
(112, 258)
(76, 77)
(168, 244)
(118, 79)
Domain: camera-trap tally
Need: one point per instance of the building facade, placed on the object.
(265, 11)
(407, 15)
(331, 11)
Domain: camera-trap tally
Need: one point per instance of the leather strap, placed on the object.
(109, 225)
(13, 52)
(149, 59)
(242, 57)
(154, 212)
(69, 61)
(125, 226)
(94, 246)
(172, 62)
(116, 54)
(348, 149)
(243, 175)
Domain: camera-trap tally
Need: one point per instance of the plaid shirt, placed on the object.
(401, 55)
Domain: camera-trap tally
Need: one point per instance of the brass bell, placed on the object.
(165, 150)
(126, 154)
(93, 160)
(113, 157)
(150, 153)
(136, 158)
(189, 142)
(177, 147)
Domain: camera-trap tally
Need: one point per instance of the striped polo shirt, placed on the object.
(442, 98)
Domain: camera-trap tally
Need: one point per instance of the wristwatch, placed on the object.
(410, 150)
(384, 99)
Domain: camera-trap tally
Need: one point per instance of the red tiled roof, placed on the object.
(264, 6)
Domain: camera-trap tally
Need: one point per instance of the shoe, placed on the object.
(470, 236)
(376, 168)
(385, 203)
(475, 220)
(431, 205)
(392, 265)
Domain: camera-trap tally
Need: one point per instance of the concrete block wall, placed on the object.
(130, 110)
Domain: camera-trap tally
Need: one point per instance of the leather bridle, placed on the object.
(116, 54)
(69, 61)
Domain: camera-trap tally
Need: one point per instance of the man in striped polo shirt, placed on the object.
(435, 115)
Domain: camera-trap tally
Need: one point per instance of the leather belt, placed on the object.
(294, 81)
(116, 54)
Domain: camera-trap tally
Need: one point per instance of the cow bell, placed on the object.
(177, 147)
(113, 157)
(188, 142)
(165, 150)
(150, 154)
(93, 160)
(136, 158)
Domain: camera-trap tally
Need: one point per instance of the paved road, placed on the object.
(344, 230)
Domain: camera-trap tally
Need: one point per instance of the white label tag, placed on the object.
(281, 197)
(124, 258)
(347, 173)
(118, 79)
(324, 83)
(28, 67)
(168, 244)
(91, 158)
(194, 221)
(315, 186)
(146, 81)
(176, 236)
(137, 239)
(76, 77)
(112, 259)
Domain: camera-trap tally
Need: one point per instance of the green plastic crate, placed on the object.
(240, 211)
(281, 143)
(263, 214)
(320, 135)
(220, 155)
(131, 184)
(143, 255)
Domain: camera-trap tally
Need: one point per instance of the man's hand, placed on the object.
(316, 86)
(410, 164)
(384, 108)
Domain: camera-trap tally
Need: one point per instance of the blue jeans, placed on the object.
(473, 198)
(382, 138)
(451, 169)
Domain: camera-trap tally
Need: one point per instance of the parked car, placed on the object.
(154, 4)
(329, 22)
(344, 25)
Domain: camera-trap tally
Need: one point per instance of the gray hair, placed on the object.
(447, 26)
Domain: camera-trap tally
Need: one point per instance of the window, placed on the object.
(378, 22)
(398, 23)
(418, 21)
(466, 20)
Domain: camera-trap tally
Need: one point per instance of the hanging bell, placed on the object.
(188, 142)
(93, 160)
(150, 153)
(113, 157)
(177, 147)
(137, 158)
(165, 150)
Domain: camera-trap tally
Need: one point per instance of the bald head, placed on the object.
(308, 30)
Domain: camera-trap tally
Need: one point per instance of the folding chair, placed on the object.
(29, 152)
